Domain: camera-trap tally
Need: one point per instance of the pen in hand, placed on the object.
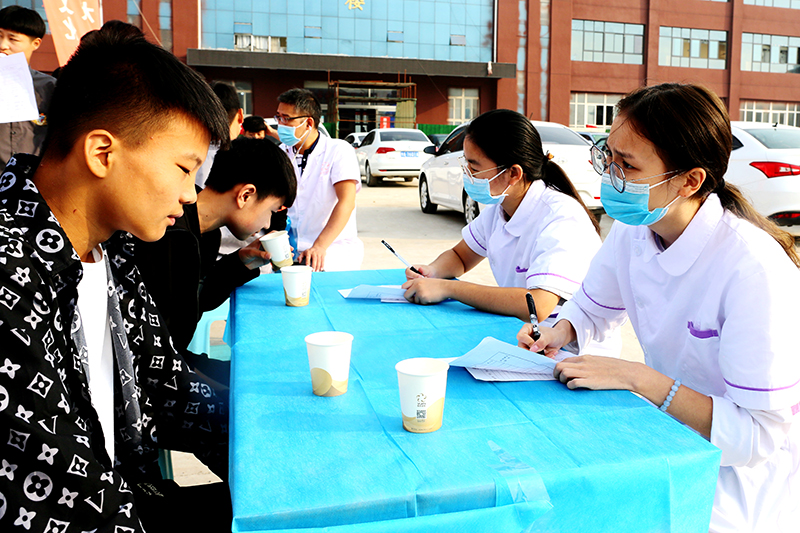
(534, 318)
(406, 263)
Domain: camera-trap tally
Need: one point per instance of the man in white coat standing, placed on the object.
(323, 217)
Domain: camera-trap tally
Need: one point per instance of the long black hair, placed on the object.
(508, 138)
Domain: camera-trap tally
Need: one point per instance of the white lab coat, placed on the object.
(548, 244)
(717, 309)
(331, 161)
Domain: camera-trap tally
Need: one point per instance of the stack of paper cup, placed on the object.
(329, 361)
(296, 285)
(422, 382)
(277, 244)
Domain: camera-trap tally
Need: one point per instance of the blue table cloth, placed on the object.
(525, 456)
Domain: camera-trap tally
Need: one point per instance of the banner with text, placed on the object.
(69, 20)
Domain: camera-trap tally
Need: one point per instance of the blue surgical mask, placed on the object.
(480, 191)
(632, 206)
(287, 136)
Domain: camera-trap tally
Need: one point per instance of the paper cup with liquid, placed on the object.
(329, 361)
(296, 284)
(277, 244)
(422, 382)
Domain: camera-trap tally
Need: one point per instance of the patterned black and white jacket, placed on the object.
(55, 474)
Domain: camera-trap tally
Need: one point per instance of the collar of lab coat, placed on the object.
(678, 258)
(520, 222)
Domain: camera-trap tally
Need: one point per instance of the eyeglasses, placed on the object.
(468, 171)
(601, 162)
(280, 119)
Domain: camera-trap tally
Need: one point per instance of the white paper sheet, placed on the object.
(495, 360)
(384, 293)
(17, 99)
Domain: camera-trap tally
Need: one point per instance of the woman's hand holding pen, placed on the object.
(427, 290)
(550, 340)
(423, 271)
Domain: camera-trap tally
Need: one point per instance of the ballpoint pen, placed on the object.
(534, 318)
(406, 263)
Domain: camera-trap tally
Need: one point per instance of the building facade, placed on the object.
(566, 61)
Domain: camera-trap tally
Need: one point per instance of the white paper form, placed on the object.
(17, 99)
(384, 293)
(494, 360)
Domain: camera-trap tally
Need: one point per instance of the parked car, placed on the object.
(598, 138)
(441, 178)
(765, 164)
(392, 152)
(355, 138)
(437, 138)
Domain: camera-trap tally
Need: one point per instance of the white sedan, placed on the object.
(392, 152)
(441, 181)
(765, 165)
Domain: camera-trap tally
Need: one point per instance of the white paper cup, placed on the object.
(277, 244)
(296, 284)
(422, 382)
(329, 361)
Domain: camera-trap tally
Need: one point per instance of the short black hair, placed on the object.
(229, 98)
(304, 102)
(22, 20)
(256, 161)
(254, 124)
(118, 81)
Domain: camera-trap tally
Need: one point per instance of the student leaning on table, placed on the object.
(711, 289)
(536, 232)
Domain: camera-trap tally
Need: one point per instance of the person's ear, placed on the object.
(693, 181)
(244, 194)
(515, 174)
(36, 43)
(240, 116)
(99, 152)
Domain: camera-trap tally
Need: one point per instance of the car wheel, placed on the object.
(471, 209)
(372, 181)
(425, 198)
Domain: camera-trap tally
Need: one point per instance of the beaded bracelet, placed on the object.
(671, 395)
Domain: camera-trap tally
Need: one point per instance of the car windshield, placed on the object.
(560, 136)
(776, 138)
(390, 136)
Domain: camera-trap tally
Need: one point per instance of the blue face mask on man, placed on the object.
(480, 189)
(287, 136)
(632, 206)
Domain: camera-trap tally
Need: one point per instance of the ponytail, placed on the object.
(732, 199)
(554, 177)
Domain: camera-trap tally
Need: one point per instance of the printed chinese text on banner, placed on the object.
(69, 21)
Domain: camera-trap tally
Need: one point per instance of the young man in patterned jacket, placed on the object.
(90, 384)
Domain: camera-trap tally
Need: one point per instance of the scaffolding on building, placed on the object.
(375, 95)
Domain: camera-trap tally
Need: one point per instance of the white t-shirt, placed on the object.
(718, 310)
(331, 161)
(202, 172)
(93, 308)
(548, 244)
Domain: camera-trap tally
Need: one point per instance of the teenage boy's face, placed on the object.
(152, 180)
(255, 215)
(12, 42)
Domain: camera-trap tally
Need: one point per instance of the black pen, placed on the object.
(406, 263)
(534, 318)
